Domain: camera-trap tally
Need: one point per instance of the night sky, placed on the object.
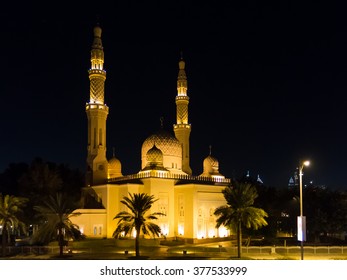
(267, 83)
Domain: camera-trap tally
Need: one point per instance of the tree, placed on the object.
(41, 180)
(9, 178)
(56, 213)
(10, 208)
(138, 204)
(325, 211)
(240, 211)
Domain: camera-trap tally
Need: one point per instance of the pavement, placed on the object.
(215, 251)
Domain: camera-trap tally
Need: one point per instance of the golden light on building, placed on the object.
(165, 168)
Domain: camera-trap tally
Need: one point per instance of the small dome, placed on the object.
(211, 167)
(154, 155)
(154, 158)
(114, 168)
(114, 163)
(211, 161)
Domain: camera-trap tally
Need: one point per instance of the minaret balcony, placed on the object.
(182, 126)
(96, 106)
(96, 71)
(182, 97)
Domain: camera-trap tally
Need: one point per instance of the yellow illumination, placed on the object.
(164, 229)
(211, 233)
(181, 229)
(223, 232)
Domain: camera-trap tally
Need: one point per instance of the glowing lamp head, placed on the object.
(306, 163)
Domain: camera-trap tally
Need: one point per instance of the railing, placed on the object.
(281, 250)
(170, 176)
(33, 250)
(216, 251)
(286, 250)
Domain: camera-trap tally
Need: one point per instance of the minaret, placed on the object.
(97, 112)
(182, 128)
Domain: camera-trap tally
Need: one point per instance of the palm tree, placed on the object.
(10, 207)
(138, 204)
(56, 213)
(239, 211)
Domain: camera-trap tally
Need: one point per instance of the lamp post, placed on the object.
(302, 220)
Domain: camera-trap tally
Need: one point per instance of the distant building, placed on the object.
(260, 181)
(294, 180)
(187, 200)
(248, 178)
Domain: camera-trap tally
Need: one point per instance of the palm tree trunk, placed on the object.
(4, 241)
(239, 240)
(61, 242)
(137, 243)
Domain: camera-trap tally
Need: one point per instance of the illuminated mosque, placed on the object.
(188, 201)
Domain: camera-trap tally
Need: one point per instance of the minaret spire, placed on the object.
(182, 128)
(182, 78)
(97, 75)
(97, 112)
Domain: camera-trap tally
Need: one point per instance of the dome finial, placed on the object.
(210, 147)
(113, 151)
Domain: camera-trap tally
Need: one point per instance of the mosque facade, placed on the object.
(188, 201)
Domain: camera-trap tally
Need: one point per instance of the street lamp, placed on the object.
(301, 219)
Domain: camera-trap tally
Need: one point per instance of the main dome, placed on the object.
(169, 146)
(163, 140)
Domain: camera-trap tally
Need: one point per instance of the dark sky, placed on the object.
(267, 83)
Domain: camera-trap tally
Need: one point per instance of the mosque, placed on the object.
(188, 201)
